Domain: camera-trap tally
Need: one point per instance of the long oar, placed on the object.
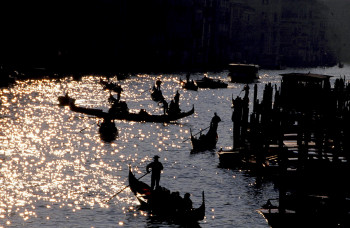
(196, 134)
(124, 188)
(86, 127)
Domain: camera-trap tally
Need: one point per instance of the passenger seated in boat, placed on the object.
(119, 107)
(269, 205)
(173, 108)
(176, 200)
(165, 106)
(187, 202)
(112, 100)
(143, 112)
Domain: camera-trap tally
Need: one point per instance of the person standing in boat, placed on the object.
(176, 101)
(215, 119)
(119, 90)
(156, 166)
(158, 83)
(188, 77)
(177, 98)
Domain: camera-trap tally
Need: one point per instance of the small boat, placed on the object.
(189, 85)
(163, 203)
(65, 100)
(207, 141)
(142, 116)
(108, 131)
(211, 83)
(313, 211)
(230, 158)
(243, 72)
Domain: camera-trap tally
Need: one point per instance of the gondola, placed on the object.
(142, 116)
(162, 202)
(315, 211)
(207, 141)
(231, 158)
(243, 72)
(207, 82)
(189, 85)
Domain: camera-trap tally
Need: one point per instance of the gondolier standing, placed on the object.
(156, 167)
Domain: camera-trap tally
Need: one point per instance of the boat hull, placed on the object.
(160, 202)
(137, 117)
(204, 142)
(243, 72)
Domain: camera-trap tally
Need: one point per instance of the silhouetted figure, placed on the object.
(188, 77)
(118, 106)
(177, 201)
(165, 106)
(215, 119)
(118, 89)
(172, 108)
(158, 83)
(177, 98)
(156, 168)
(205, 77)
(112, 100)
(143, 112)
(187, 202)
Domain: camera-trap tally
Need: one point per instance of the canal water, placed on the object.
(56, 172)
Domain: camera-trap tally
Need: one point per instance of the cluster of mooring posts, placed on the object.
(297, 134)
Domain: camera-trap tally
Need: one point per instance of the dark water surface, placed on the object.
(56, 172)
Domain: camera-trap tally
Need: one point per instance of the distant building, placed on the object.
(159, 35)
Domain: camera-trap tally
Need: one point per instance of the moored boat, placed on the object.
(243, 72)
(229, 158)
(313, 211)
(162, 202)
(189, 85)
(211, 83)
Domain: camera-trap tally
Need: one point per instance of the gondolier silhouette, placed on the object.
(216, 119)
(156, 167)
(158, 83)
